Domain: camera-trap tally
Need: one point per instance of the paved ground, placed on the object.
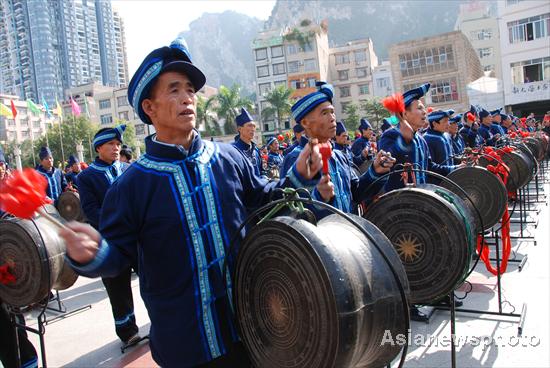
(87, 339)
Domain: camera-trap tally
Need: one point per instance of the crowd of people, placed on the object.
(170, 214)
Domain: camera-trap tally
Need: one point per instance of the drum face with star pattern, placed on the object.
(319, 296)
(433, 231)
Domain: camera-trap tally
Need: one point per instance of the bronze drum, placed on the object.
(433, 231)
(69, 207)
(521, 163)
(35, 254)
(318, 295)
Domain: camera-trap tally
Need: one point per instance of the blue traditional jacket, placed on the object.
(56, 182)
(71, 178)
(274, 159)
(486, 135)
(93, 183)
(497, 129)
(252, 153)
(345, 149)
(357, 151)
(415, 152)
(458, 144)
(290, 148)
(470, 136)
(175, 212)
(440, 147)
(349, 189)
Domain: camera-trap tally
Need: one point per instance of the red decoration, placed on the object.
(23, 193)
(326, 152)
(280, 138)
(430, 110)
(523, 120)
(470, 117)
(6, 277)
(394, 104)
(83, 166)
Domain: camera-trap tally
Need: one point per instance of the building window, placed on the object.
(343, 75)
(25, 133)
(363, 89)
(276, 51)
(382, 82)
(123, 115)
(264, 88)
(310, 65)
(105, 104)
(264, 105)
(481, 34)
(311, 82)
(488, 68)
(292, 49)
(295, 84)
(122, 101)
(361, 72)
(106, 119)
(280, 83)
(344, 106)
(342, 58)
(307, 47)
(528, 71)
(279, 69)
(287, 124)
(426, 61)
(360, 56)
(444, 91)
(345, 91)
(485, 52)
(263, 71)
(513, 2)
(11, 123)
(529, 29)
(36, 124)
(261, 54)
(293, 66)
(140, 129)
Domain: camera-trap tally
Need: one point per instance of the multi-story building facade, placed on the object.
(447, 61)
(49, 46)
(382, 80)
(477, 20)
(351, 73)
(295, 57)
(120, 44)
(525, 47)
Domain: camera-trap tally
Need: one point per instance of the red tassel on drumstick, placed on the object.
(394, 103)
(326, 152)
(24, 193)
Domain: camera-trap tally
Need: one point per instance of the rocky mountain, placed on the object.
(221, 43)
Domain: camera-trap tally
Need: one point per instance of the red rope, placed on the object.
(501, 171)
(6, 277)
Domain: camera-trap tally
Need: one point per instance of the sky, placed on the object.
(150, 24)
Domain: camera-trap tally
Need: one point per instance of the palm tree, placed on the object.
(280, 104)
(229, 102)
(204, 110)
(374, 111)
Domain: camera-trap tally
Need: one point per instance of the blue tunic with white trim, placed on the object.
(457, 143)
(252, 153)
(56, 182)
(93, 183)
(415, 152)
(175, 211)
(345, 149)
(274, 159)
(470, 136)
(357, 151)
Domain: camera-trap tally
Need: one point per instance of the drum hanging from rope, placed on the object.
(520, 163)
(485, 189)
(35, 254)
(432, 230)
(318, 296)
(69, 208)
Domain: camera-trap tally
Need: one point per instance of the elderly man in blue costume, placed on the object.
(407, 145)
(496, 126)
(245, 140)
(174, 211)
(456, 139)
(485, 133)
(361, 148)
(441, 149)
(274, 157)
(298, 132)
(56, 179)
(74, 170)
(470, 131)
(341, 141)
(341, 188)
(93, 184)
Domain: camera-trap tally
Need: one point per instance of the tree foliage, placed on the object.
(351, 120)
(205, 108)
(374, 112)
(228, 104)
(279, 105)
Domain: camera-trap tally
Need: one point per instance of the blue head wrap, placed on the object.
(243, 118)
(483, 113)
(340, 128)
(44, 152)
(364, 124)
(415, 94)
(270, 141)
(437, 115)
(309, 102)
(73, 160)
(298, 128)
(496, 112)
(105, 136)
(455, 119)
(473, 110)
(175, 57)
